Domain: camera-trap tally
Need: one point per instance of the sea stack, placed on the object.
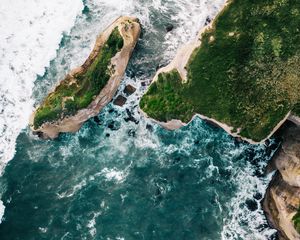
(87, 89)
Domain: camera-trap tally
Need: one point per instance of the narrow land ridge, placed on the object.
(129, 29)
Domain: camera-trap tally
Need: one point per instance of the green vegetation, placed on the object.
(169, 105)
(245, 73)
(296, 220)
(75, 93)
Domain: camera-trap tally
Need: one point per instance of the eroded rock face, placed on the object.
(288, 159)
(129, 28)
(282, 199)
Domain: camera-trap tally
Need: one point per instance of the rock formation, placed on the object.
(282, 199)
(129, 29)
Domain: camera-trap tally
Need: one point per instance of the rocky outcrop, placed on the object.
(282, 199)
(129, 28)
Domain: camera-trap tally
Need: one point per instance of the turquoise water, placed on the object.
(125, 177)
(153, 184)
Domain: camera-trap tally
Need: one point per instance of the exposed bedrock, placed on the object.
(282, 199)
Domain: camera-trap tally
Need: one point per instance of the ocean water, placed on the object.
(123, 177)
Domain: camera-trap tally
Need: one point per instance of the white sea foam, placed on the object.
(30, 32)
(114, 174)
(242, 222)
(2, 208)
(92, 224)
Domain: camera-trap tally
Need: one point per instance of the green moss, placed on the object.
(246, 71)
(170, 104)
(72, 95)
(296, 220)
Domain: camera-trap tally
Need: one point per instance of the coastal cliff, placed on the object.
(241, 73)
(88, 88)
(282, 200)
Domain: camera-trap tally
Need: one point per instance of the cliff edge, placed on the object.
(242, 72)
(282, 200)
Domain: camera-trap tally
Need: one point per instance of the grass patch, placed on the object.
(245, 73)
(170, 104)
(73, 94)
(296, 220)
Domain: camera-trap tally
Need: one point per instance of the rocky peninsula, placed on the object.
(88, 88)
(240, 73)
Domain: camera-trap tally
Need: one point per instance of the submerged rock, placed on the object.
(72, 102)
(169, 27)
(130, 117)
(113, 125)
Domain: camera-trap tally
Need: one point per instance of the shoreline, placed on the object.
(176, 124)
(179, 63)
(185, 52)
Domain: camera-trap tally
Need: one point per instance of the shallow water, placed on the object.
(129, 179)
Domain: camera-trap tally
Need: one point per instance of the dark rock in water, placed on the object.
(207, 21)
(107, 135)
(160, 66)
(131, 74)
(169, 27)
(131, 133)
(111, 110)
(120, 101)
(251, 205)
(39, 134)
(197, 142)
(129, 89)
(113, 125)
(149, 127)
(130, 117)
(258, 196)
(97, 120)
(176, 160)
(144, 84)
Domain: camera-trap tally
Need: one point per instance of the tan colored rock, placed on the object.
(129, 29)
(288, 159)
(281, 204)
(282, 199)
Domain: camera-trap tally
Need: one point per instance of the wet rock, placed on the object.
(207, 21)
(149, 127)
(111, 110)
(251, 205)
(258, 196)
(144, 84)
(169, 27)
(114, 125)
(131, 133)
(107, 135)
(130, 117)
(159, 66)
(129, 89)
(97, 120)
(120, 101)
(39, 134)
